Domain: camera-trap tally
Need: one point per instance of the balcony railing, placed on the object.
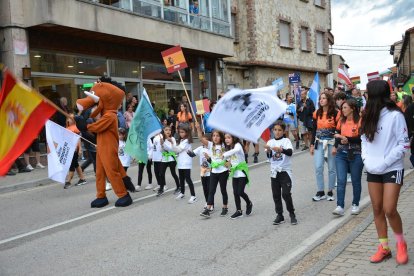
(212, 15)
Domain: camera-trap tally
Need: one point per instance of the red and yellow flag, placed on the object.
(174, 59)
(23, 113)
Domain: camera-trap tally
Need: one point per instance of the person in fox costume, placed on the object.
(106, 97)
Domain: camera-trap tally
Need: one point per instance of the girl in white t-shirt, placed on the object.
(219, 172)
(279, 151)
(124, 157)
(240, 173)
(157, 158)
(169, 159)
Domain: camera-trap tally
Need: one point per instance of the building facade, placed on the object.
(403, 54)
(67, 44)
(276, 38)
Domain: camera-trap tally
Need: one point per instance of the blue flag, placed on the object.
(278, 83)
(145, 124)
(314, 91)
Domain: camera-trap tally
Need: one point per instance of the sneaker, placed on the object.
(339, 211)
(24, 170)
(192, 200)
(177, 191)
(319, 196)
(138, 188)
(255, 158)
(224, 212)
(81, 182)
(249, 209)
(160, 192)
(293, 219)
(381, 255)
(39, 166)
(205, 213)
(11, 172)
(67, 185)
(108, 186)
(297, 144)
(211, 209)
(305, 148)
(148, 187)
(165, 188)
(180, 196)
(402, 256)
(330, 196)
(279, 220)
(156, 188)
(29, 167)
(355, 209)
(237, 214)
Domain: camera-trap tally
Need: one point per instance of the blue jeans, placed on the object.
(319, 161)
(342, 166)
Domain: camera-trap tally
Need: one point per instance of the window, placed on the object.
(304, 39)
(319, 43)
(284, 34)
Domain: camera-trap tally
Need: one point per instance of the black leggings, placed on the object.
(157, 171)
(216, 178)
(205, 181)
(239, 183)
(141, 171)
(281, 186)
(164, 166)
(185, 174)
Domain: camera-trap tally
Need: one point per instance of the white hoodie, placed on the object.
(386, 152)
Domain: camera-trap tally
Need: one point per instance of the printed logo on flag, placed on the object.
(174, 59)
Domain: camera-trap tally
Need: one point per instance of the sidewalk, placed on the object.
(354, 259)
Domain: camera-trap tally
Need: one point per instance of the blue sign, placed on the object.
(278, 83)
(294, 78)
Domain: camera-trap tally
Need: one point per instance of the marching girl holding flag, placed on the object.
(239, 171)
(169, 159)
(219, 172)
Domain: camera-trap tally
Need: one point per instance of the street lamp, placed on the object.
(27, 73)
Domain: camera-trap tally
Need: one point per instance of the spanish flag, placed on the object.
(23, 113)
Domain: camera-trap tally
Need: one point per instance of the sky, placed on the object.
(369, 23)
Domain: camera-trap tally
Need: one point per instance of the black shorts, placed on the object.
(389, 177)
(34, 147)
(75, 162)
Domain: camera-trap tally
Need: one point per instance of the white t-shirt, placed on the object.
(203, 160)
(217, 156)
(279, 161)
(184, 161)
(168, 146)
(123, 156)
(236, 156)
(157, 149)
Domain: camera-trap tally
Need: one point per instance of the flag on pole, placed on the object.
(145, 124)
(23, 113)
(174, 59)
(278, 83)
(356, 80)
(247, 113)
(202, 106)
(373, 76)
(313, 93)
(342, 75)
(61, 145)
(266, 135)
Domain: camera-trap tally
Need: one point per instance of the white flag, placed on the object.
(247, 113)
(61, 145)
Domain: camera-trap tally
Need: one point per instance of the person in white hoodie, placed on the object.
(384, 143)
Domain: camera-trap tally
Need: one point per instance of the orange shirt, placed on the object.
(183, 117)
(324, 122)
(401, 106)
(349, 128)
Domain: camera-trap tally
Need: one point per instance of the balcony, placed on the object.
(211, 15)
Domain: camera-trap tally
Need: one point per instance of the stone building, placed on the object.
(276, 38)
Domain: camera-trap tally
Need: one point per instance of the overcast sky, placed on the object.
(372, 23)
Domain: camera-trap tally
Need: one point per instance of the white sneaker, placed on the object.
(165, 188)
(39, 166)
(148, 187)
(355, 210)
(137, 188)
(156, 188)
(29, 167)
(180, 196)
(339, 211)
(192, 200)
(108, 186)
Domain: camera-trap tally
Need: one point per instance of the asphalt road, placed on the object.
(155, 236)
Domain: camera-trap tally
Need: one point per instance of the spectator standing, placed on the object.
(305, 110)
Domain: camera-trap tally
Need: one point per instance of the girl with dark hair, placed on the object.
(184, 117)
(219, 172)
(348, 156)
(169, 160)
(384, 143)
(239, 171)
(185, 162)
(322, 144)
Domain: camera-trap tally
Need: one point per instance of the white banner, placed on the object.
(247, 113)
(61, 145)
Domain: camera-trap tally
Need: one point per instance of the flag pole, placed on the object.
(186, 93)
(202, 123)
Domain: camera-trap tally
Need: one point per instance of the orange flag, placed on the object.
(23, 113)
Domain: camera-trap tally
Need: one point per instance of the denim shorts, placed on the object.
(389, 177)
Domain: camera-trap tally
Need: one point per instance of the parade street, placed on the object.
(157, 236)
